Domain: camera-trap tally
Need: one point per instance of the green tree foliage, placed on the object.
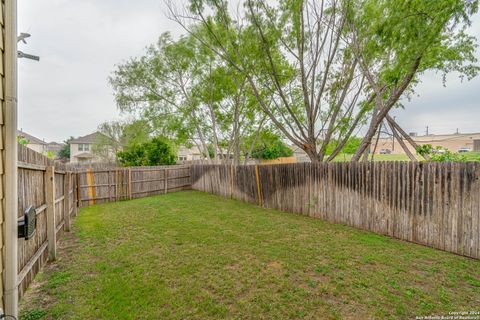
(23, 141)
(186, 94)
(109, 141)
(270, 146)
(397, 41)
(116, 135)
(350, 146)
(65, 151)
(440, 154)
(158, 151)
(331, 67)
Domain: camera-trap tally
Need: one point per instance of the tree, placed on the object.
(295, 51)
(350, 147)
(65, 151)
(440, 154)
(332, 66)
(137, 132)
(116, 135)
(270, 146)
(186, 95)
(157, 151)
(109, 141)
(402, 40)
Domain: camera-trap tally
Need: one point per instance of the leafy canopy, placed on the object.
(270, 146)
(158, 151)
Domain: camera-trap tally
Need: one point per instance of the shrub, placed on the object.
(157, 151)
(442, 154)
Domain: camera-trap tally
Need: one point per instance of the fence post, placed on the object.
(73, 185)
(115, 182)
(130, 183)
(92, 195)
(77, 185)
(50, 202)
(259, 190)
(165, 176)
(232, 181)
(66, 200)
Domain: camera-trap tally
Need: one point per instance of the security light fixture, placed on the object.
(27, 226)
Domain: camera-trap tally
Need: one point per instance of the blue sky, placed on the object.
(79, 42)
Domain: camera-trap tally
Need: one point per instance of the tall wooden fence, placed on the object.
(106, 185)
(434, 204)
(56, 194)
(52, 192)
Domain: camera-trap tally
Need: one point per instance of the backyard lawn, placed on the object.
(191, 255)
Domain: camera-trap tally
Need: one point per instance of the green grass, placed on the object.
(191, 255)
(472, 156)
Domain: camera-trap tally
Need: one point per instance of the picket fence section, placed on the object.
(434, 204)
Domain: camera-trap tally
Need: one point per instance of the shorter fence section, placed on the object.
(434, 204)
(106, 185)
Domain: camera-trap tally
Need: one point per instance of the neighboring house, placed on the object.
(453, 142)
(32, 142)
(189, 154)
(39, 145)
(81, 149)
(194, 153)
(54, 147)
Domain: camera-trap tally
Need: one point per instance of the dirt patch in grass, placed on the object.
(42, 292)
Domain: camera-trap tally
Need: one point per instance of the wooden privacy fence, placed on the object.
(56, 194)
(52, 192)
(106, 185)
(434, 204)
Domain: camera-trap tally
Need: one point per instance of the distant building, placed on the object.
(39, 145)
(189, 154)
(81, 150)
(453, 142)
(54, 147)
(32, 142)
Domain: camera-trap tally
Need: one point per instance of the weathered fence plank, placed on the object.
(51, 225)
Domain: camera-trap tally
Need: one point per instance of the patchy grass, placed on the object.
(472, 156)
(191, 255)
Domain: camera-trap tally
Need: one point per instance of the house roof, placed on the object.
(29, 137)
(182, 150)
(440, 137)
(446, 137)
(89, 138)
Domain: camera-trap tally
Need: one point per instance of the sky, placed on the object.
(79, 43)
